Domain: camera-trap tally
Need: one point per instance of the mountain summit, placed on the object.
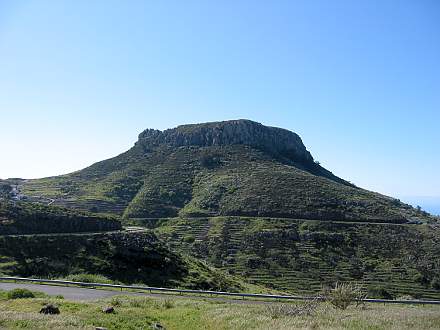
(282, 144)
(236, 167)
(233, 132)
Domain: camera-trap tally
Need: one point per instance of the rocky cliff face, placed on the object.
(245, 132)
(30, 218)
(58, 225)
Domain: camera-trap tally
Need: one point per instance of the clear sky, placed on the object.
(358, 80)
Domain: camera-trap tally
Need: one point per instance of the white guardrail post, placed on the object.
(202, 292)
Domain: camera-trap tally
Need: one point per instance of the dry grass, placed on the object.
(307, 308)
(398, 317)
(344, 295)
(141, 312)
(32, 320)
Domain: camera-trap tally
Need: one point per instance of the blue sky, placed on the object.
(358, 80)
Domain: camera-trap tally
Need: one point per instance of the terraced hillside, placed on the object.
(300, 256)
(37, 240)
(239, 168)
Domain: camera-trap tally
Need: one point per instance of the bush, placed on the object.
(343, 295)
(116, 301)
(168, 303)
(89, 278)
(50, 309)
(20, 294)
(379, 292)
(435, 283)
(189, 239)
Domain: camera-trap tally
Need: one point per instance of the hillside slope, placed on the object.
(38, 240)
(224, 168)
(127, 257)
(34, 218)
(302, 256)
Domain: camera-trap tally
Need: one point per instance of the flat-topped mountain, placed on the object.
(281, 144)
(236, 167)
(234, 132)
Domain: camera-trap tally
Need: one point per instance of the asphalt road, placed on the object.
(86, 294)
(70, 293)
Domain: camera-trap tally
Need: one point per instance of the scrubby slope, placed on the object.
(126, 257)
(224, 168)
(34, 218)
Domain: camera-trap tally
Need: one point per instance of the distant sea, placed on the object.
(429, 204)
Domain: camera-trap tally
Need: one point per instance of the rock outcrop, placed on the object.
(29, 218)
(61, 224)
(246, 132)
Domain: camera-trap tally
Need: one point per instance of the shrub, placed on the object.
(168, 303)
(89, 278)
(50, 309)
(435, 283)
(116, 301)
(343, 295)
(20, 293)
(5, 190)
(189, 239)
(380, 292)
(210, 161)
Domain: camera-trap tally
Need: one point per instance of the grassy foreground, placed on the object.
(143, 312)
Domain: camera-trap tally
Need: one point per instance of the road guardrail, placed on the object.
(204, 292)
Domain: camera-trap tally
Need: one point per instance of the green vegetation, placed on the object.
(344, 295)
(89, 278)
(20, 294)
(5, 189)
(232, 168)
(302, 256)
(119, 257)
(143, 313)
(244, 198)
(34, 218)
